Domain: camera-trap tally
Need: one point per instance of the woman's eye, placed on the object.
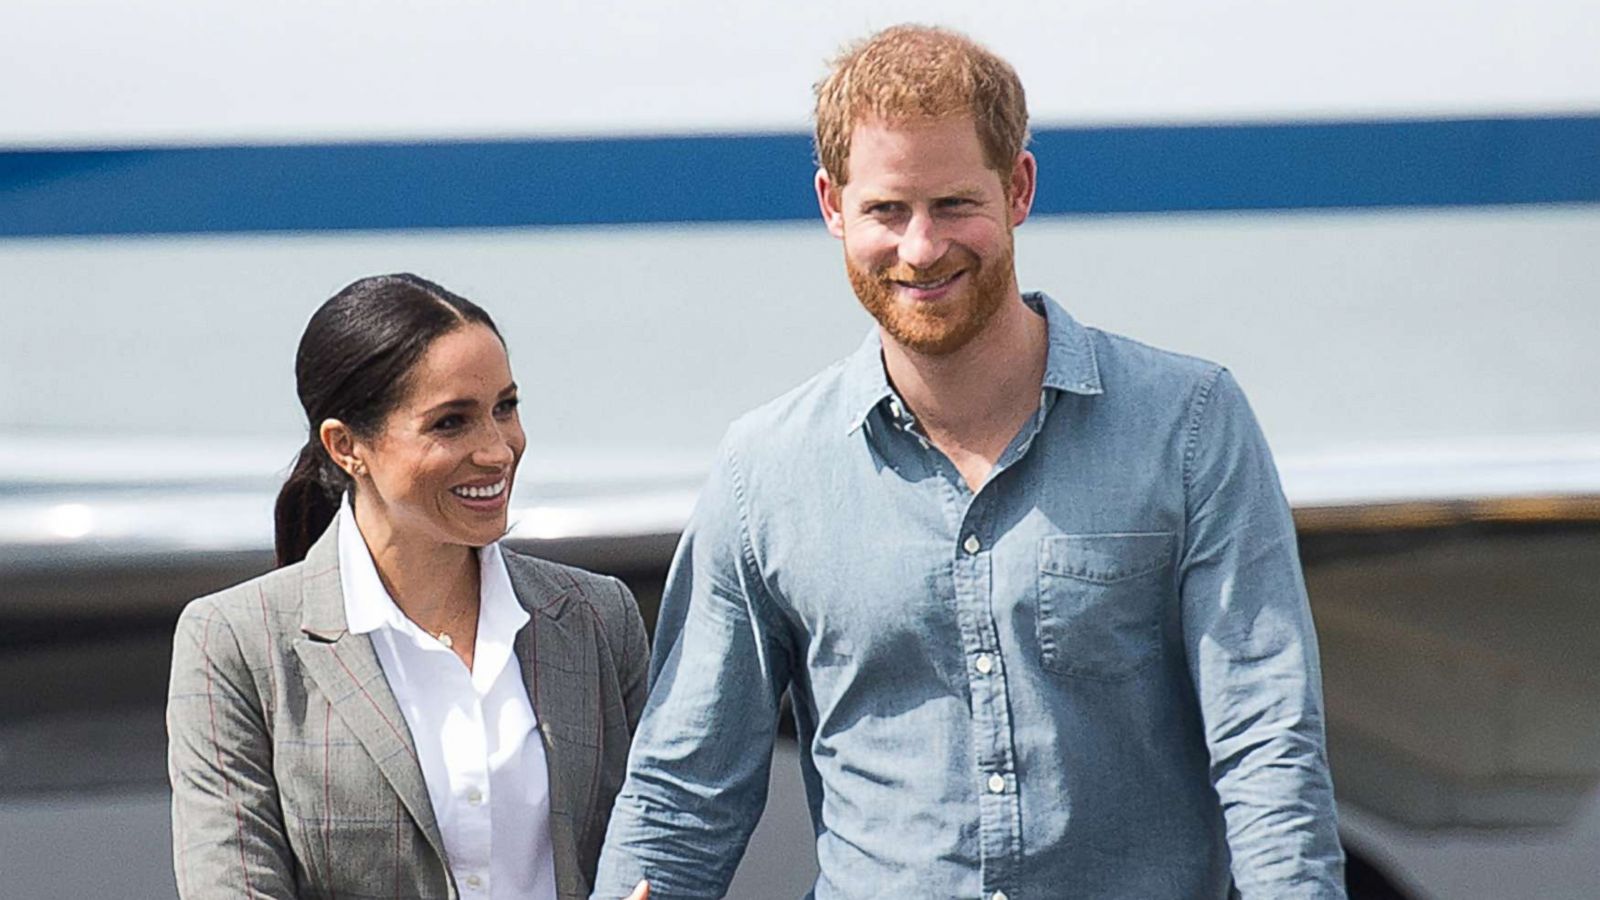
(449, 423)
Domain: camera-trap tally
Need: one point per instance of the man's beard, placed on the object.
(940, 327)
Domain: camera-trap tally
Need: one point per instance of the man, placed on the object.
(1033, 587)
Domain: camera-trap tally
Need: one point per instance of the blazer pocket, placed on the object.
(1100, 602)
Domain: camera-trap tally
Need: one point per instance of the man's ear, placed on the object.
(828, 201)
(1020, 187)
(340, 443)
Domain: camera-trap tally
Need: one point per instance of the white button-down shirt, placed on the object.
(475, 732)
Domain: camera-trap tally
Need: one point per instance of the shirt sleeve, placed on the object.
(698, 769)
(228, 838)
(1253, 656)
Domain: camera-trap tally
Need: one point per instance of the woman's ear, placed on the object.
(340, 443)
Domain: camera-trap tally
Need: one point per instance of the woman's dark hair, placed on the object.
(352, 365)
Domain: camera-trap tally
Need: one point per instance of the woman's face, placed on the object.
(441, 467)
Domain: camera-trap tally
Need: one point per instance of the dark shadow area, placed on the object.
(1364, 880)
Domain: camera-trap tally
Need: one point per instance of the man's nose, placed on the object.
(921, 245)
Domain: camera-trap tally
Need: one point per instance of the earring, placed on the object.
(357, 467)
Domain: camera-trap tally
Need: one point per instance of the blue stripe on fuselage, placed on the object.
(751, 178)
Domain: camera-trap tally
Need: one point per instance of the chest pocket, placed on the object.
(1100, 602)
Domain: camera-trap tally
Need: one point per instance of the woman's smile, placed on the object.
(490, 497)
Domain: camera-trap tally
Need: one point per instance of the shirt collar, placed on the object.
(368, 606)
(866, 384)
(500, 615)
(1069, 362)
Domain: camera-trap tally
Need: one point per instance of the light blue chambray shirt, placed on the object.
(1095, 677)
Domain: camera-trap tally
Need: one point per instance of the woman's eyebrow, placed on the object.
(450, 405)
(464, 402)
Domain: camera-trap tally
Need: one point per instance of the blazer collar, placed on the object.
(321, 598)
(559, 650)
(346, 670)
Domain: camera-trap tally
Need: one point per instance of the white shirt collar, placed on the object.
(368, 606)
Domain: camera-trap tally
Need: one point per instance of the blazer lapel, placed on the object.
(557, 652)
(346, 669)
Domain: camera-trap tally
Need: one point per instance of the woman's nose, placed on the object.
(496, 449)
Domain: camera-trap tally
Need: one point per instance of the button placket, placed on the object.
(999, 840)
(468, 754)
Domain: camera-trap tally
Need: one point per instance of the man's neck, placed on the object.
(972, 402)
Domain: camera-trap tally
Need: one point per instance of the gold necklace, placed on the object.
(443, 635)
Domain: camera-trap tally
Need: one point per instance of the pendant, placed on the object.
(444, 638)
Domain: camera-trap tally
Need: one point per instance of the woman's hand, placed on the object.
(641, 891)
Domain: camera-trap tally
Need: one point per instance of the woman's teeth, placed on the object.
(480, 493)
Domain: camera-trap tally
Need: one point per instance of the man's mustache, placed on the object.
(939, 271)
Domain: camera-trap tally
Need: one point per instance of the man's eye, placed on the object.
(507, 406)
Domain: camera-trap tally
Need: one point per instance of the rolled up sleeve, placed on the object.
(1253, 656)
(698, 769)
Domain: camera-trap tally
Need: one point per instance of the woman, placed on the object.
(404, 708)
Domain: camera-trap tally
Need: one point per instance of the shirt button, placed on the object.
(971, 544)
(474, 882)
(474, 796)
(998, 895)
(997, 783)
(984, 664)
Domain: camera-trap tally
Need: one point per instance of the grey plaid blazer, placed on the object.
(294, 773)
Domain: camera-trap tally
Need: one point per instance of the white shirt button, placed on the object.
(971, 544)
(474, 796)
(474, 882)
(997, 783)
(998, 895)
(984, 664)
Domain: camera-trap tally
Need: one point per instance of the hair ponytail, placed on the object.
(306, 504)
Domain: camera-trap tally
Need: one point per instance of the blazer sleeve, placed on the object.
(631, 656)
(228, 838)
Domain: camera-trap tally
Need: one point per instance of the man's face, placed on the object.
(926, 226)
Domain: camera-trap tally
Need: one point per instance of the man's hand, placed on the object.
(641, 891)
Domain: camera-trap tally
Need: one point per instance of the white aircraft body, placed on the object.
(1382, 216)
